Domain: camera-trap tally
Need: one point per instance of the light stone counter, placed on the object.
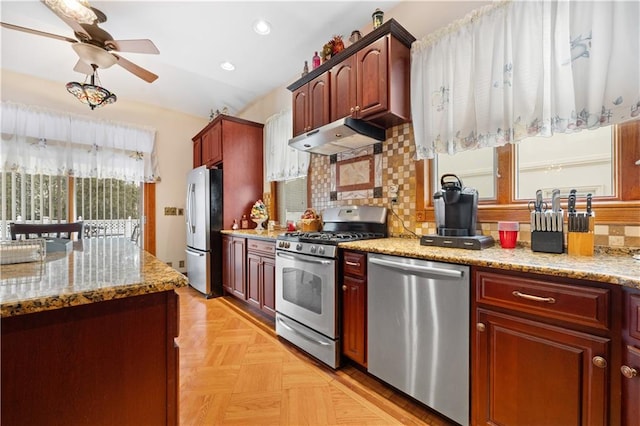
(252, 233)
(98, 269)
(607, 268)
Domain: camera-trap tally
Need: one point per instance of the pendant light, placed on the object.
(91, 93)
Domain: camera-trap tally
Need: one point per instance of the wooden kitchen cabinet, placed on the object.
(630, 369)
(368, 80)
(365, 86)
(197, 152)
(261, 267)
(236, 146)
(234, 266)
(311, 105)
(542, 350)
(354, 306)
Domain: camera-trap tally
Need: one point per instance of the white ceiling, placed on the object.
(193, 37)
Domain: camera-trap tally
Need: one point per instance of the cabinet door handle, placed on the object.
(352, 263)
(357, 107)
(599, 362)
(480, 327)
(533, 298)
(628, 372)
(352, 110)
(344, 288)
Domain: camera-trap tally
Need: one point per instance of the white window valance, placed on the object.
(36, 140)
(283, 162)
(525, 68)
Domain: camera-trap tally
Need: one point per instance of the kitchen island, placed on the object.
(88, 337)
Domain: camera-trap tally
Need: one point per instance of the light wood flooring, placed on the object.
(235, 370)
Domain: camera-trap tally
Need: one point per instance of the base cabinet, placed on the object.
(261, 273)
(543, 351)
(630, 369)
(234, 266)
(354, 307)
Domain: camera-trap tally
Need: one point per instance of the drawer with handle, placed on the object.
(577, 304)
(355, 264)
(267, 247)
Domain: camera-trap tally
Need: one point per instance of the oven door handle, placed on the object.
(303, 259)
(301, 334)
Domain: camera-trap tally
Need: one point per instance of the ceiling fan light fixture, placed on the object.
(93, 55)
(91, 94)
(78, 10)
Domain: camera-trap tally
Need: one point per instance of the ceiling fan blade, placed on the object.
(144, 74)
(83, 68)
(76, 27)
(36, 32)
(133, 46)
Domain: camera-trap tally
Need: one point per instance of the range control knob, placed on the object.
(312, 249)
(286, 244)
(320, 250)
(299, 246)
(281, 244)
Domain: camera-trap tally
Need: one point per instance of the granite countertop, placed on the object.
(607, 268)
(98, 269)
(252, 233)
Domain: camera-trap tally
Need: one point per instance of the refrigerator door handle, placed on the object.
(186, 216)
(192, 207)
(194, 253)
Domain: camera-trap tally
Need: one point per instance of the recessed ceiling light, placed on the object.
(227, 66)
(262, 27)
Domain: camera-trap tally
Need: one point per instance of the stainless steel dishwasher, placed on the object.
(418, 326)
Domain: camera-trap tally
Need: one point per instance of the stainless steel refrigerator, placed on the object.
(203, 217)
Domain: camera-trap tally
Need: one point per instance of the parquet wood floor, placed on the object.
(234, 370)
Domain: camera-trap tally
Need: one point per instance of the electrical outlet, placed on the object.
(181, 264)
(393, 191)
(170, 264)
(170, 211)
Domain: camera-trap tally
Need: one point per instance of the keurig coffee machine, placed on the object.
(456, 210)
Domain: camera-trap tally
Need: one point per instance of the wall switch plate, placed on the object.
(169, 264)
(180, 212)
(181, 264)
(170, 211)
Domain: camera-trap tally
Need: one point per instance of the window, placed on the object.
(292, 199)
(109, 207)
(619, 205)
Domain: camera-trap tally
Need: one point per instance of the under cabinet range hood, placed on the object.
(341, 135)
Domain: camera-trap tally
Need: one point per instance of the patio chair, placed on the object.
(58, 230)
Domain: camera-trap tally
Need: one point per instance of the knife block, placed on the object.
(581, 243)
(547, 241)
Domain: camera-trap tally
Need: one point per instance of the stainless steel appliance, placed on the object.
(307, 275)
(418, 330)
(203, 217)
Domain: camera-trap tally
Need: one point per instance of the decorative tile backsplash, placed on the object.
(393, 164)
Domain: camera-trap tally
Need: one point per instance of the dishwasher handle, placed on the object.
(428, 270)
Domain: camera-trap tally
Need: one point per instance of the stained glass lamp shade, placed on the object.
(91, 93)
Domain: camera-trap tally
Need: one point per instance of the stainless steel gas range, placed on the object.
(307, 276)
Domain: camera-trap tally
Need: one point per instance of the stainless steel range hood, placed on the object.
(342, 135)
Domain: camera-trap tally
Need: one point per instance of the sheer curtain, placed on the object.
(283, 162)
(525, 68)
(40, 141)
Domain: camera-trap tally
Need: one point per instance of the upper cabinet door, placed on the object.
(343, 89)
(372, 77)
(300, 110)
(319, 101)
(212, 145)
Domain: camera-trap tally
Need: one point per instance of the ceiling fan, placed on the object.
(95, 47)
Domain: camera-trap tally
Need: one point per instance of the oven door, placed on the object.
(306, 291)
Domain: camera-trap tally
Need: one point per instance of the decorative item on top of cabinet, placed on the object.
(630, 369)
(378, 89)
(354, 306)
(543, 350)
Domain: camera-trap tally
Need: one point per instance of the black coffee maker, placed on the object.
(456, 208)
